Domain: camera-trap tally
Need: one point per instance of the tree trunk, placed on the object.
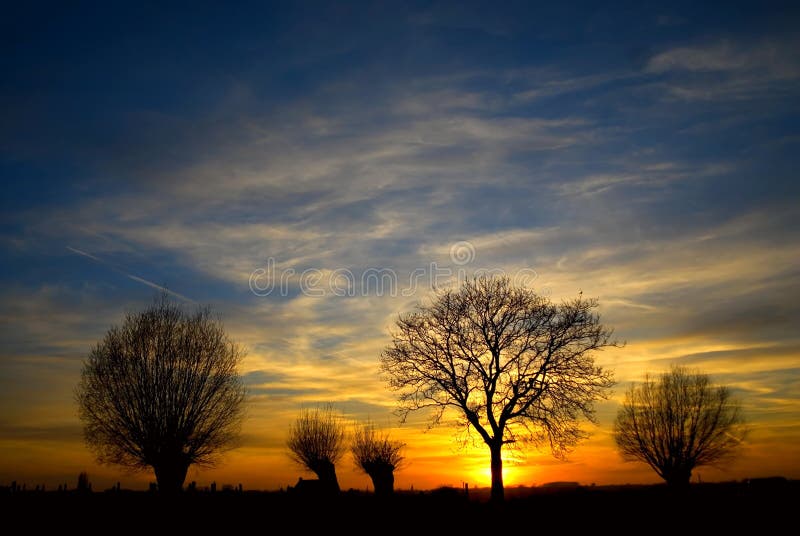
(383, 481)
(498, 492)
(678, 479)
(170, 476)
(326, 472)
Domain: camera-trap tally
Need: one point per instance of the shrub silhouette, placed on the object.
(316, 442)
(378, 456)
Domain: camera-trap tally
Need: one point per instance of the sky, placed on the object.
(311, 170)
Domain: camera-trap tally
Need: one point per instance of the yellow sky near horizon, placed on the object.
(434, 457)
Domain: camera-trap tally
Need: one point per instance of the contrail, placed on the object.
(79, 252)
(131, 276)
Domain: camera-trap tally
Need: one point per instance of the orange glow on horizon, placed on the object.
(433, 457)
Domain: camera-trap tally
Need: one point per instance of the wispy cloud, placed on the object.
(729, 71)
(775, 59)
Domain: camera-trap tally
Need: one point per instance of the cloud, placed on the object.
(57, 433)
(647, 176)
(772, 58)
(729, 71)
(541, 84)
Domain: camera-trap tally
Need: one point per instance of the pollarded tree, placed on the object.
(378, 456)
(316, 442)
(511, 363)
(678, 422)
(162, 390)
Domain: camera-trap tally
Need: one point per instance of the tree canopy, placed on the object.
(512, 364)
(162, 390)
(677, 422)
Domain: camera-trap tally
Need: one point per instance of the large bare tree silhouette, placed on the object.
(162, 390)
(677, 422)
(512, 364)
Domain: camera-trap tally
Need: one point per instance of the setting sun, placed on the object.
(512, 476)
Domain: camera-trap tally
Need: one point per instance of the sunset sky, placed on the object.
(645, 155)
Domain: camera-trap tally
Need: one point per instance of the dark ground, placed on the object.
(767, 507)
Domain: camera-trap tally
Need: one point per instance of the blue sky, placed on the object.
(645, 154)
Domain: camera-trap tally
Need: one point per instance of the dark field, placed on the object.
(770, 507)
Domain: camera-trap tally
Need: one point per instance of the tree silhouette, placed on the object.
(162, 390)
(678, 422)
(378, 456)
(84, 485)
(514, 365)
(316, 442)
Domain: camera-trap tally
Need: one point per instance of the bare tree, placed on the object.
(162, 390)
(317, 442)
(378, 456)
(678, 422)
(514, 366)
